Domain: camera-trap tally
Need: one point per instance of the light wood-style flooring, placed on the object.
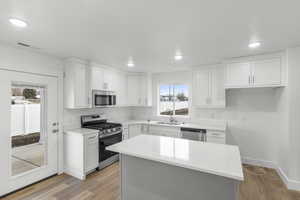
(260, 184)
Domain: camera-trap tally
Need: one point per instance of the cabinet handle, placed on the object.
(92, 137)
(253, 79)
(249, 79)
(55, 131)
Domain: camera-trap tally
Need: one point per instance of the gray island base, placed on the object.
(143, 179)
(166, 168)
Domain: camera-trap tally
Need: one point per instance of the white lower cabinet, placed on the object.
(134, 130)
(215, 137)
(164, 131)
(81, 152)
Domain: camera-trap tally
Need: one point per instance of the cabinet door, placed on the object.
(97, 74)
(121, 88)
(91, 152)
(266, 73)
(143, 101)
(134, 90)
(238, 75)
(108, 80)
(218, 87)
(80, 86)
(134, 130)
(202, 96)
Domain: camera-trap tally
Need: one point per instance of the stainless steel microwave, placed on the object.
(104, 98)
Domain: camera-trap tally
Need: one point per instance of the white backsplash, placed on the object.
(72, 117)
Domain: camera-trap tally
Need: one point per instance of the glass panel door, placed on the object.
(29, 129)
(28, 141)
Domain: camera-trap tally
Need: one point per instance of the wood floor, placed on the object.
(260, 184)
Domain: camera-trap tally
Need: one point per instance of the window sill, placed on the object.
(175, 116)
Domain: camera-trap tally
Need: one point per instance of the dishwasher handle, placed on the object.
(198, 130)
(193, 134)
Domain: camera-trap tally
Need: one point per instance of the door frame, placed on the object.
(59, 74)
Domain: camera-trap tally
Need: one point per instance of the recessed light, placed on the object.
(18, 22)
(178, 57)
(254, 45)
(130, 64)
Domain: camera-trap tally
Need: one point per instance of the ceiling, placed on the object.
(151, 31)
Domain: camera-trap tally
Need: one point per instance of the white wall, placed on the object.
(21, 59)
(293, 58)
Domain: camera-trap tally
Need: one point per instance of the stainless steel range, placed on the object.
(109, 134)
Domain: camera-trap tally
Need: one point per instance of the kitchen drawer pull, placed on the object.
(216, 134)
(93, 137)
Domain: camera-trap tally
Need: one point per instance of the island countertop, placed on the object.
(217, 159)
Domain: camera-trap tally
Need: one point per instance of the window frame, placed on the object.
(173, 84)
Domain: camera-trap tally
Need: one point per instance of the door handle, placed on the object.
(55, 130)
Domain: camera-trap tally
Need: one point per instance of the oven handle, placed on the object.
(109, 135)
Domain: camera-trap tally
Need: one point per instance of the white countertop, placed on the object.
(221, 127)
(217, 159)
(82, 131)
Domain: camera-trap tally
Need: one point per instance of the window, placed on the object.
(173, 100)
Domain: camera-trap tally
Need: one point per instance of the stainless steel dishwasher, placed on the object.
(193, 134)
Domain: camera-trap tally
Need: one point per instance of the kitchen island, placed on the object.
(166, 168)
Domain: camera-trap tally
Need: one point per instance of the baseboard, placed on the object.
(260, 163)
(290, 184)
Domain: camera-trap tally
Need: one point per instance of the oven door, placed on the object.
(107, 141)
(101, 100)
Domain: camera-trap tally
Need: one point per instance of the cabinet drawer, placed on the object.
(218, 140)
(216, 137)
(218, 134)
(91, 138)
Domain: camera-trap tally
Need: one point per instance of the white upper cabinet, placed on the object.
(238, 75)
(102, 78)
(218, 86)
(208, 87)
(120, 88)
(260, 73)
(139, 89)
(97, 76)
(267, 72)
(201, 88)
(133, 90)
(77, 84)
